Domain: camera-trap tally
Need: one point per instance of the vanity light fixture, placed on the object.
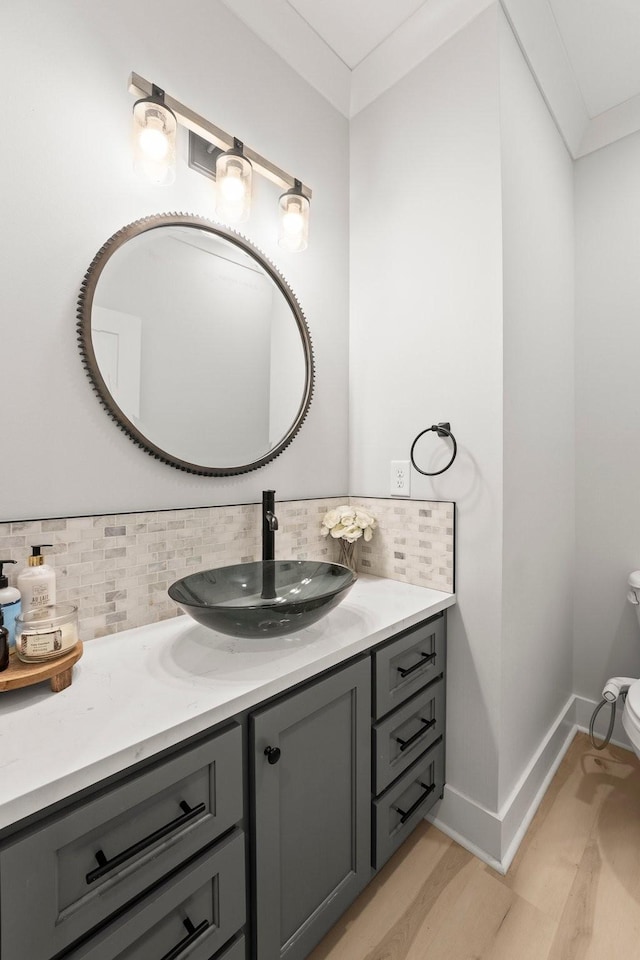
(234, 163)
(293, 234)
(154, 138)
(233, 177)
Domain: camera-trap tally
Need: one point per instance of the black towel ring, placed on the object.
(443, 430)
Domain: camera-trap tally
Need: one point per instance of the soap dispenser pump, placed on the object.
(10, 605)
(37, 582)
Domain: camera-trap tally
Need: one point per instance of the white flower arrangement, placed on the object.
(348, 523)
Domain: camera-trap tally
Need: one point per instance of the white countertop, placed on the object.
(137, 692)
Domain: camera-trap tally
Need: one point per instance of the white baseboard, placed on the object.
(521, 807)
(455, 808)
(468, 823)
(495, 837)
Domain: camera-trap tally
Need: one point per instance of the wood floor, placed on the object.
(571, 893)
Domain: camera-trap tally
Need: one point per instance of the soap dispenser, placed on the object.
(9, 603)
(37, 582)
(4, 645)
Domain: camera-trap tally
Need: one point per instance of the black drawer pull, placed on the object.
(192, 934)
(104, 865)
(414, 806)
(272, 754)
(426, 658)
(407, 743)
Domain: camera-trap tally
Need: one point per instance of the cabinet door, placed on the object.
(311, 807)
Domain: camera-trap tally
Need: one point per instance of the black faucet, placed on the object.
(269, 527)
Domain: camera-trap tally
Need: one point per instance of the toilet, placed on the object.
(631, 713)
(631, 716)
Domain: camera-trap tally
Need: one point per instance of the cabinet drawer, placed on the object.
(192, 915)
(406, 664)
(403, 735)
(235, 951)
(405, 803)
(142, 828)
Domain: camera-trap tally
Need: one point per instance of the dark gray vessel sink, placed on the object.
(265, 598)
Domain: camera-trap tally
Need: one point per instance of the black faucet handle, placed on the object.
(272, 520)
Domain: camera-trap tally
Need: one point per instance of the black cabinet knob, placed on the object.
(272, 754)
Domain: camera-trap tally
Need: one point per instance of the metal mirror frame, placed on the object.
(85, 304)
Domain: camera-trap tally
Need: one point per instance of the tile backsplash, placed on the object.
(414, 542)
(117, 568)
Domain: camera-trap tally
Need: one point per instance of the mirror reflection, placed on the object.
(197, 346)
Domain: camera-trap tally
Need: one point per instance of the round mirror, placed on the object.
(196, 345)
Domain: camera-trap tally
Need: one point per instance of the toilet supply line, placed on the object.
(617, 687)
(614, 689)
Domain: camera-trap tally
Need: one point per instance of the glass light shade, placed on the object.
(233, 178)
(293, 232)
(154, 141)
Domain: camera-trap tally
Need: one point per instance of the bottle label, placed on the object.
(40, 596)
(36, 645)
(10, 611)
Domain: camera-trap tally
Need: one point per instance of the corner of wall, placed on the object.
(494, 837)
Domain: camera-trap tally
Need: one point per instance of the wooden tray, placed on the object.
(59, 671)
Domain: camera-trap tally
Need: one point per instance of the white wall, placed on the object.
(66, 186)
(462, 247)
(538, 544)
(426, 342)
(607, 637)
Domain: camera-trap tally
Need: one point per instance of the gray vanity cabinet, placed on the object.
(310, 792)
(311, 759)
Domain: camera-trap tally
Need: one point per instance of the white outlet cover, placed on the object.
(400, 478)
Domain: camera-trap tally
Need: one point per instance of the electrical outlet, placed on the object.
(400, 478)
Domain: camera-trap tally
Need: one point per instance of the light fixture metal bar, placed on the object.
(216, 135)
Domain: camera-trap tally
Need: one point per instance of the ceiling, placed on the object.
(585, 54)
(355, 28)
(602, 40)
